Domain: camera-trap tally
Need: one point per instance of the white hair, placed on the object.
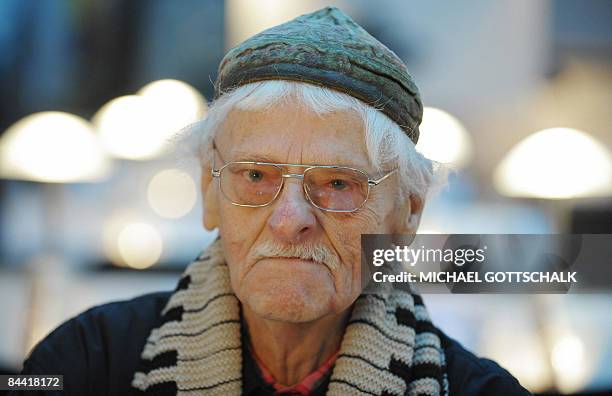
(387, 144)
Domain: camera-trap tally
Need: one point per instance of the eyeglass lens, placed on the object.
(342, 189)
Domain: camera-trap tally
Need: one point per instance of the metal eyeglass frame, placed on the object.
(216, 173)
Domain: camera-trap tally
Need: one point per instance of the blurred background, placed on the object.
(95, 205)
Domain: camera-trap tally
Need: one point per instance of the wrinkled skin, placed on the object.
(286, 289)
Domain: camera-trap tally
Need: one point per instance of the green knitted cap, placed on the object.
(327, 48)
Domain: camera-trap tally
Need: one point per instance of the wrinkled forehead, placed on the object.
(288, 133)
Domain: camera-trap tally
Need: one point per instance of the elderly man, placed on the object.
(308, 145)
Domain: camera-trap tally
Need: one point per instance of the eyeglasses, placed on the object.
(327, 187)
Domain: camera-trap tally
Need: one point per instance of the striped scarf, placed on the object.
(390, 346)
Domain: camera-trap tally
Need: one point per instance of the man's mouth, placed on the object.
(290, 258)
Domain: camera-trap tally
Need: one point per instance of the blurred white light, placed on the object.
(140, 245)
(512, 342)
(178, 104)
(113, 225)
(246, 18)
(567, 359)
(172, 193)
(141, 126)
(556, 163)
(443, 138)
(128, 127)
(52, 147)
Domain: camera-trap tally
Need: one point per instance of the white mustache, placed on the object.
(318, 253)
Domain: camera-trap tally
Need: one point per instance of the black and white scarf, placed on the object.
(390, 346)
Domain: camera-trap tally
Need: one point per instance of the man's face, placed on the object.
(285, 288)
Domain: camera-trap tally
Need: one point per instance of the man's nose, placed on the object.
(292, 219)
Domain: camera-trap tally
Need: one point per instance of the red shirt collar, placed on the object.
(305, 386)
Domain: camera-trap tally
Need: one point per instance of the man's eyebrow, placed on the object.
(259, 157)
(248, 156)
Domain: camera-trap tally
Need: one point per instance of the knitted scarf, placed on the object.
(389, 346)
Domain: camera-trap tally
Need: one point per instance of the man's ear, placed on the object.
(210, 212)
(409, 215)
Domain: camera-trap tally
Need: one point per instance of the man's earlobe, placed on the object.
(410, 215)
(414, 219)
(210, 206)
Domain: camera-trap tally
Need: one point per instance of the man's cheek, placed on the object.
(233, 251)
(349, 249)
(365, 221)
(234, 231)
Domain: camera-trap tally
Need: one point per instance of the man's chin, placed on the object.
(284, 305)
(297, 291)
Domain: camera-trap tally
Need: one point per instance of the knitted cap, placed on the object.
(327, 48)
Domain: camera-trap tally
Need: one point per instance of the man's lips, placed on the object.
(295, 260)
(287, 258)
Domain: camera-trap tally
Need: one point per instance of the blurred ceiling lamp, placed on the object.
(246, 18)
(568, 360)
(444, 139)
(140, 127)
(180, 103)
(172, 193)
(556, 163)
(127, 127)
(513, 343)
(113, 225)
(53, 147)
(139, 245)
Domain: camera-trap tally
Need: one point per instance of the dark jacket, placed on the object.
(98, 351)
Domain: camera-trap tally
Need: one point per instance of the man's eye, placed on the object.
(338, 184)
(254, 175)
